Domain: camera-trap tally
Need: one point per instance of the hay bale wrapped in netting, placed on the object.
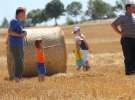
(55, 56)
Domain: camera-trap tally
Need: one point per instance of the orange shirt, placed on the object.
(40, 56)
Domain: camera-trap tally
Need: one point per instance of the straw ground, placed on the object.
(105, 80)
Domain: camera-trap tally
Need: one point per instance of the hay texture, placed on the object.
(55, 57)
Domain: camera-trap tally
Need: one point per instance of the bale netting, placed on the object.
(55, 57)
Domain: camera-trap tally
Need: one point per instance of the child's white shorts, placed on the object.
(86, 55)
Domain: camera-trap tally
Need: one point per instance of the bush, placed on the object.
(70, 21)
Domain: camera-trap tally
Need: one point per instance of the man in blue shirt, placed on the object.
(15, 41)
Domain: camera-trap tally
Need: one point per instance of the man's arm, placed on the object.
(16, 34)
(12, 34)
(116, 24)
(116, 28)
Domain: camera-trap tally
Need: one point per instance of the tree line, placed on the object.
(96, 9)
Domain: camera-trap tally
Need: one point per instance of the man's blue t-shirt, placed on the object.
(16, 26)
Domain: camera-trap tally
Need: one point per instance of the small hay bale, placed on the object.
(56, 57)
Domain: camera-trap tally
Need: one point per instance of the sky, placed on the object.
(8, 7)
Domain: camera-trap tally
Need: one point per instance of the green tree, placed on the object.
(69, 21)
(120, 4)
(5, 23)
(54, 9)
(98, 9)
(74, 9)
(110, 11)
(90, 8)
(36, 16)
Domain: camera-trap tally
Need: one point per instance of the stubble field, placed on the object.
(105, 80)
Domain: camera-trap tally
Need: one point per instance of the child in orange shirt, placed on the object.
(40, 59)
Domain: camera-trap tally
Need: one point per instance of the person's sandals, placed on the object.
(17, 80)
(86, 68)
(78, 68)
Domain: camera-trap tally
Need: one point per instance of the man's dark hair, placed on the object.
(20, 10)
(127, 6)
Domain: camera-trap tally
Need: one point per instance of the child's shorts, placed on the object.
(80, 62)
(41, 68)
(86, 55)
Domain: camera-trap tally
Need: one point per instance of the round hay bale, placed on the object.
(55, 57)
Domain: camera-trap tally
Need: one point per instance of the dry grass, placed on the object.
(105, 81)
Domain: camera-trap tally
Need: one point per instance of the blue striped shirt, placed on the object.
(127, 25)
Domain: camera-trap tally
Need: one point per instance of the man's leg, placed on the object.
(21, 61)
(127, 48)
(11, 65)
(17, 52)
(134, 54)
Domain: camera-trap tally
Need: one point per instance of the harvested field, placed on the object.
(105, 80)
